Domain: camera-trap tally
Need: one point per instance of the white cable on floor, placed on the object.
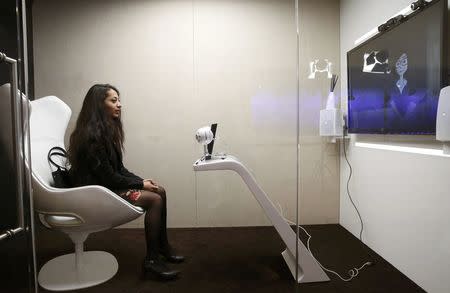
(352, 272)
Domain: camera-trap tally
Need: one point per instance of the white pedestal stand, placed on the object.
(308, 268)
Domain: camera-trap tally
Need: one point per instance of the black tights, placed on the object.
(155, 205)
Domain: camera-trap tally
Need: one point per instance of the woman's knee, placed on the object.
(162, 192)
(148, 199)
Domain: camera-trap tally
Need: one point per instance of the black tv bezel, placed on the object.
(444, 71)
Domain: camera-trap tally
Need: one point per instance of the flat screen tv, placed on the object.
(394, 78)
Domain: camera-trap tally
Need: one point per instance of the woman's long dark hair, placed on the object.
(95, 128)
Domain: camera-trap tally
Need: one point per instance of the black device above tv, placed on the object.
(394, 78)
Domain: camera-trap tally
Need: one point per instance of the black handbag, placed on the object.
(61, 177)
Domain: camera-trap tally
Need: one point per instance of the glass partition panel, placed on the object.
(245, 81)
(319, 62)
(319, 156)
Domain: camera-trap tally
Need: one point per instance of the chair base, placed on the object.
(61, 274)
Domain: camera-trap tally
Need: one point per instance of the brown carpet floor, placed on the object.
(244, 259)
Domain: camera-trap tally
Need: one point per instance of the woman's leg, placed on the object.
(165, 249)
(156, 225)
(163, 240)
(153, 204)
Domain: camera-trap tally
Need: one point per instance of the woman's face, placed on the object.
(112, 104)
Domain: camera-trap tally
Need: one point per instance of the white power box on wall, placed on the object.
(331, 118)
(443, 119)
(331, 122)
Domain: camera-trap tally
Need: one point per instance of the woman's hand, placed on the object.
(150, 185)
(152, 182)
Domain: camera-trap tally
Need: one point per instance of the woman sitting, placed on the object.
(95, 154)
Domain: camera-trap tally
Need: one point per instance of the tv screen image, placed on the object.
(394, 78)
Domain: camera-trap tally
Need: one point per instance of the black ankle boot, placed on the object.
(157, 267)
(171, 256)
